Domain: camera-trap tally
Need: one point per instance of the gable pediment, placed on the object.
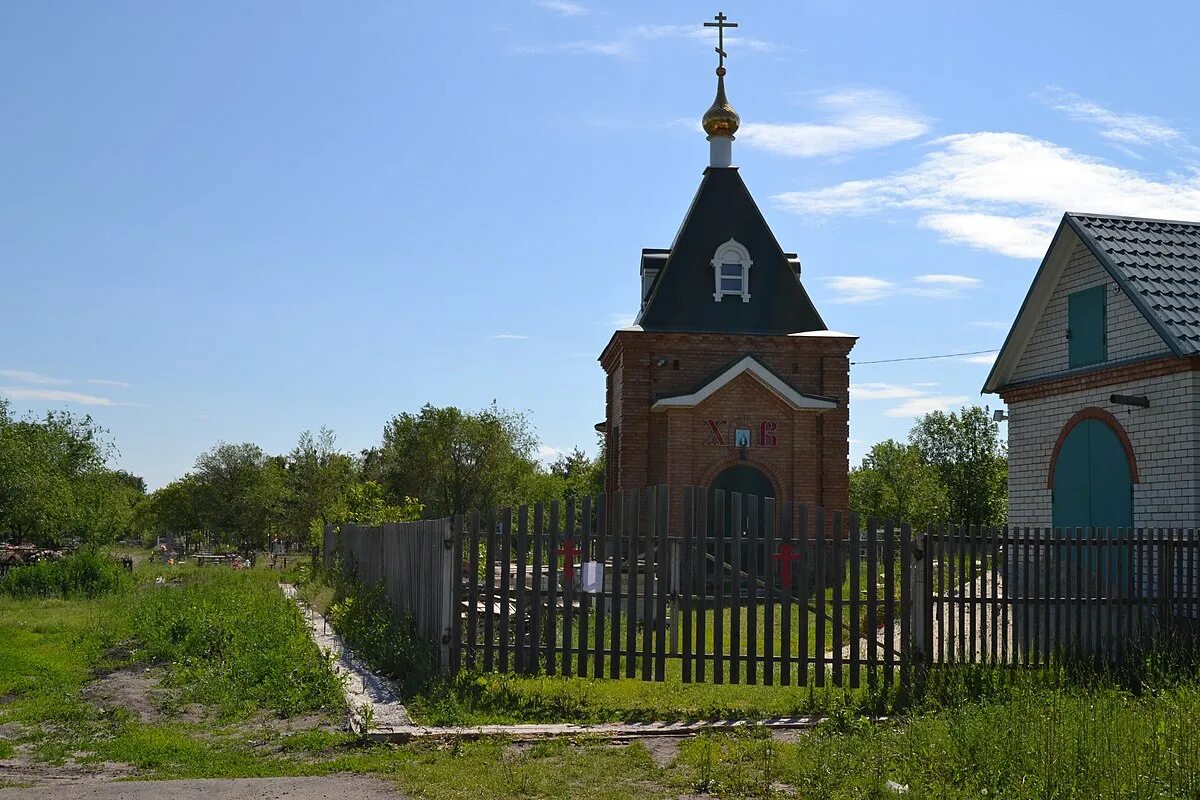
(751, 367)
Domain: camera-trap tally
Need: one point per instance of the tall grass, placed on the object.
(233, 640)
(85, 573)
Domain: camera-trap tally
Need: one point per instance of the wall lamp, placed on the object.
(1140, 401)
(999, 415)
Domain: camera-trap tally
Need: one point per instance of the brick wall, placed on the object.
(809, 463)
(1164, 438)
(1129, 334)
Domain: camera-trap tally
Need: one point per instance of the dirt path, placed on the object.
(330, 787)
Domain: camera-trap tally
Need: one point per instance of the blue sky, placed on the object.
(237, 221)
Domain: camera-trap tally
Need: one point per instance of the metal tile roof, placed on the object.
(1159, 263)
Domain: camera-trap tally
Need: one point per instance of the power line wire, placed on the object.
(925, 358)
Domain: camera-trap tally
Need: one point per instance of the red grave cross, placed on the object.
(568, 551)
(785, 557)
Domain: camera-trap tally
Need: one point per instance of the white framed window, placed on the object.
(731, 271)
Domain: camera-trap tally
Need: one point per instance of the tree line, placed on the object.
(55, 485)
(952, 470)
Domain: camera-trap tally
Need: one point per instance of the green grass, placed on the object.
(978, 732)
(233, 640)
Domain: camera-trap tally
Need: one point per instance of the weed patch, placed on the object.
(86, 573)
(234, 641)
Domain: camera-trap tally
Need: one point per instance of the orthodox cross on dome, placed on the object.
(721, 25)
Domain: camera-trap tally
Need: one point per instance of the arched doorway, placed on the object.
(1092, 483)
(753, 485)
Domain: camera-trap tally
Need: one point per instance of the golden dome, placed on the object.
(721, 119)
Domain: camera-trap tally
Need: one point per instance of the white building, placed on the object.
(1101, 374)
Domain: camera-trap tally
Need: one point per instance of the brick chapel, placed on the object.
(729, 378)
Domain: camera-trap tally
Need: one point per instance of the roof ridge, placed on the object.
(1153, 220)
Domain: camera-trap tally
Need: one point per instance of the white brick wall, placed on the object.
(1165, 438)
(1129, 334)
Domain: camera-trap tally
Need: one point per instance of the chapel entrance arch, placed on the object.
(750, 482)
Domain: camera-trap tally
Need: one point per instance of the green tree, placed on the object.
(895, 483)
(316, 478)
(455, 461)
(42, 464)
(237, 492)
(103, 505)
(965, 449)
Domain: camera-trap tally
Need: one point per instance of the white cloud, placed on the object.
(622, 320)
(562, 7)
(927, 384)
(981, 358)
(1125, 129)
(628, 44)
(923, 405)
(23, 376)
(859, 288)
(511, 336)
(546, 453)
(55, 395)
(858, 120)
(868, 289)
(103, 382)
(1004, 192)
(949, 280)
(883, 391)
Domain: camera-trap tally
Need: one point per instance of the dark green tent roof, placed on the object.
(681, 298)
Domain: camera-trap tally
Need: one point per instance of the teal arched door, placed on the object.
(1093, 484)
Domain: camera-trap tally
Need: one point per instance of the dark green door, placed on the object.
(1092, 479)
(1093, 488)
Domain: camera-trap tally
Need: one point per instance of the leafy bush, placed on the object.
(86, 573)
(388, 642)
(233, 639)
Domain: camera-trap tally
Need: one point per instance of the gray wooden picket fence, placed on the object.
(699, 585)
